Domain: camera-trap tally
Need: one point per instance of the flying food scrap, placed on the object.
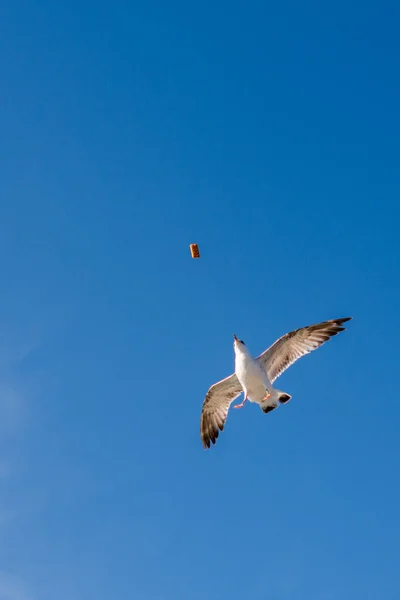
(194, 249)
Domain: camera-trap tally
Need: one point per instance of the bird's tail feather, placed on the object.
(277, 397)
(283, 397)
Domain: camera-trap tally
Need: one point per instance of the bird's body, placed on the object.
(252, 378)
(255, 376)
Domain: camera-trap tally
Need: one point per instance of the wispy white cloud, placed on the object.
(11, 408)
(15, 349)
(14, 394)
(11, 588)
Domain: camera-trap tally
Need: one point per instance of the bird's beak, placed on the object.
(235, 338)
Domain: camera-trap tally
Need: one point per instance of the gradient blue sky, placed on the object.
(268, 133)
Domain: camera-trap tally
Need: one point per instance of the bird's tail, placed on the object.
(283, 397)
(275, 399)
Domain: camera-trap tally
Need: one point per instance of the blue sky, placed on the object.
(268, 133)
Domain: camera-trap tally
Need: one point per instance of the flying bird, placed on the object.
(255, 376)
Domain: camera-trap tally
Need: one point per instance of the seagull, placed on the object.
(255, 376)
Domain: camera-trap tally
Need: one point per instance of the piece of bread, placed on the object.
(194, 249)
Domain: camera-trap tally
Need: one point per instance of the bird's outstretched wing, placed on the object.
(215, 408)
(292, 346)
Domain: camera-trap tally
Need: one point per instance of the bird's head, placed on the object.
(238, 344)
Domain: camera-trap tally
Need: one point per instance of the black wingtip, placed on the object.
(345, 320)
(339, 322)
(209, 438)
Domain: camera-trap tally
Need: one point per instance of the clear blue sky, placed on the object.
(268, 133)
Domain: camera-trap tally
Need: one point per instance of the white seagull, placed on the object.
(255, 376)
